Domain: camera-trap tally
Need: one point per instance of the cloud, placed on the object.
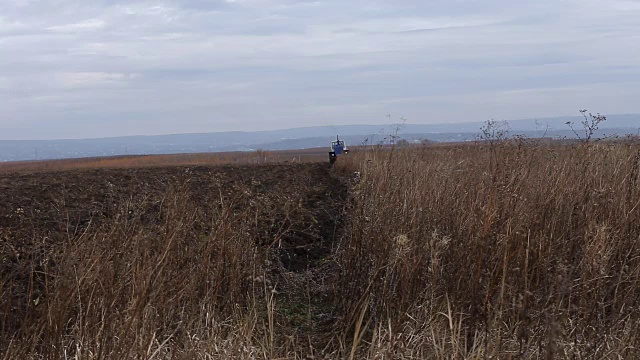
(123, 67)
(91, 24)
(92, 79)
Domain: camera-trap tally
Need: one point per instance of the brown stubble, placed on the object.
(535, 247)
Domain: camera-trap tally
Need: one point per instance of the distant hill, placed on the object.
(297, 138)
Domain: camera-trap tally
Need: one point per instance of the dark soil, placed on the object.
(299, 209)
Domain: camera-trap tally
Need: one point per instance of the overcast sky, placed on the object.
(77, 68)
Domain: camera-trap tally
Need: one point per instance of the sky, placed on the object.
(83, 69)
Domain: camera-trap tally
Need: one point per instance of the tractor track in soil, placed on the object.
(299, 211)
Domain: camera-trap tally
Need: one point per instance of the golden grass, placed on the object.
(137, 161)
(513, 250)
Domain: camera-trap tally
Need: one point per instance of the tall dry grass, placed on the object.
(179, 286)
(194, 263)
(508, 251)
(511, 250)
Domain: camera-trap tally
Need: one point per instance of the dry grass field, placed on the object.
(511, 250)
(503, 250)
(165, 262)
(137, 161)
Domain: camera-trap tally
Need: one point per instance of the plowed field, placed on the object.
(285, 216)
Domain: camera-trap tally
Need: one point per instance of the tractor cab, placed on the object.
(338, 147)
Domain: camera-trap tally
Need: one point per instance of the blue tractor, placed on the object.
(338, 148)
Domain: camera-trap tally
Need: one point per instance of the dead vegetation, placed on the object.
(180, 262)
(505, 249)
(501, 250)
(137, 161)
